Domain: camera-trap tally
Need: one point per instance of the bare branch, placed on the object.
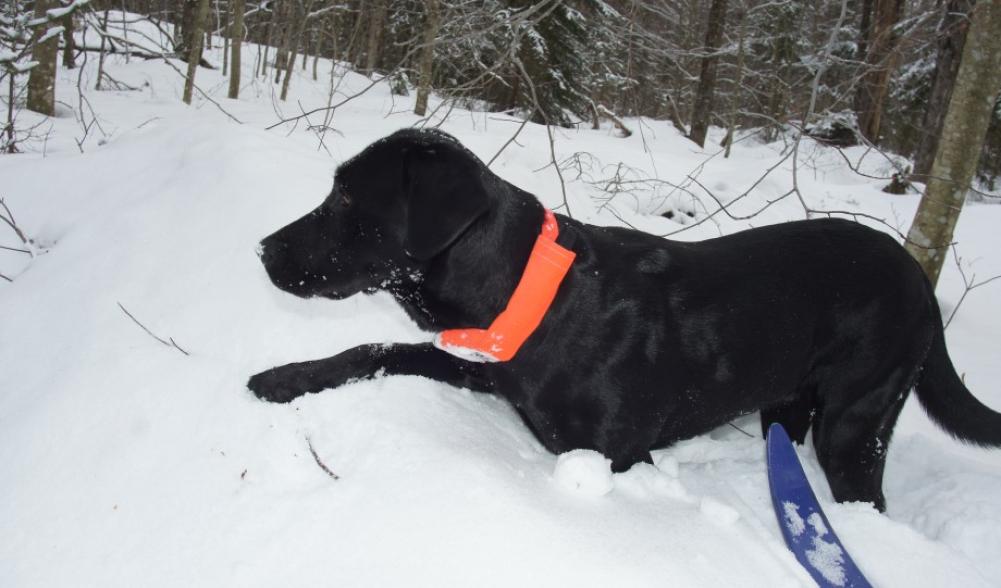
(319, 461)
(170, 343)
(969, 284)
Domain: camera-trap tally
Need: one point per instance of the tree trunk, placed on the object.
(69, 46)
(178, 15)
(295, 33)
(432, 23)
(625, 108)
(307, 43)
(952, 36)
(11, 146)
(285, 31)
(966, 121)
(197, 30)
(100, 59)
(267, 43)
(377, 17)
(42, 79)
(236, 46)
(184, 34)
(735, 99)
(227, 32)
(707, 80)
(880, 61)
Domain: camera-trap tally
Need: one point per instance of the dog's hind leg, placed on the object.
(851, 435)
(794, 415)
(287, 382)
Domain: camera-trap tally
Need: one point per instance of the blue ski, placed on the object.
(805, 528)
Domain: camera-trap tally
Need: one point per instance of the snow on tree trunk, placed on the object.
(236, 46)
(707, 80)
(431, 26)
(42, 80)
(978, 83)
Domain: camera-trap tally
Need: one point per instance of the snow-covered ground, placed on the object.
(124, 462)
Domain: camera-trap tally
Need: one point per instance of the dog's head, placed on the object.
(393, 208)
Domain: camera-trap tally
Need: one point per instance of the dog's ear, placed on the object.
(445, 193)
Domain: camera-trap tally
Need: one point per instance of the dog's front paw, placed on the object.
(280, 384)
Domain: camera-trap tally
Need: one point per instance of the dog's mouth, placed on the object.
(332, 294)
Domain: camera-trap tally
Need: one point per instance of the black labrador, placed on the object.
(823, 323)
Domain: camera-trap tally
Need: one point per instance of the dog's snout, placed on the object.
(270, 251)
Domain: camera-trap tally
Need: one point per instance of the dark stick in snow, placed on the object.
(170, 343)
(319, 461)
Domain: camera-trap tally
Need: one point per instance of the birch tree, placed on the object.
(978, 83)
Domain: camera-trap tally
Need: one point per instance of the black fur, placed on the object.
(823, 324)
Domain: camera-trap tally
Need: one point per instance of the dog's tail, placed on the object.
(946, 399)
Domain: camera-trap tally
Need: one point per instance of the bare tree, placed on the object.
(296, 28)
(952, 36)
(42, 80)
(197, 33)
(432, 24)
(966, 121)
(879, 46)
(377, 18)
(69, 45)
(707, 80)
(236, 46)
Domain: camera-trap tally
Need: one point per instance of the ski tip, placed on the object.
(776, 431)
(804, 526)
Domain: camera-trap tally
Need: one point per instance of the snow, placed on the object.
(124, 462)
(793, 519)
(585, 472)
(825, 556)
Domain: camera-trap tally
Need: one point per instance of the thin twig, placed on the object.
(968, 284)
(741, 430)
(319, 461)
(509, 141)
(9, 220)
(170, 343)
(15, 249)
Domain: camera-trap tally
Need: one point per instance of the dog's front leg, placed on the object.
(287, 382)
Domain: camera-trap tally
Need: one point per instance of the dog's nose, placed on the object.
(269, 251)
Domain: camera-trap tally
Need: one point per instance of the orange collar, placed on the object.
(547, 266)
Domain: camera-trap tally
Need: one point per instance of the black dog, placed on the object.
(820, 323)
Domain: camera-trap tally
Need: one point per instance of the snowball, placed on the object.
(585, 472)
